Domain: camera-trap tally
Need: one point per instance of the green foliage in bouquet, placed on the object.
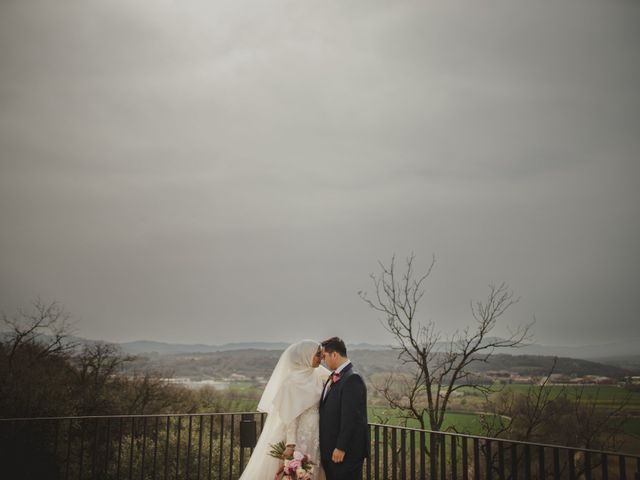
(277, 450)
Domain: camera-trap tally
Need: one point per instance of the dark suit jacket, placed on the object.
(343, 421)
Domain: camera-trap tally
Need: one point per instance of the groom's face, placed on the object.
(331, 359)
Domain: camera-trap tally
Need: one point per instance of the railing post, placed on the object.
(247, 435)
(247, 431)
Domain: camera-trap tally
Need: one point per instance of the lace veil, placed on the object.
(294, 385)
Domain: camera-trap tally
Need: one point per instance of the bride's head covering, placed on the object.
(294, 385)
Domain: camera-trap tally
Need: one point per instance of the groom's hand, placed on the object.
(337, 456)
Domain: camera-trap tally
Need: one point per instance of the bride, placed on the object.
(291, 400)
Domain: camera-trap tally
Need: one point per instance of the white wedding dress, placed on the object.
(291, 399)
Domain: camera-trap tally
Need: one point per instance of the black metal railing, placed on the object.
(399, 453)
(194, 446)
(218, 445)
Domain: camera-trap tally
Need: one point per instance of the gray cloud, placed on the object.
(225, 171)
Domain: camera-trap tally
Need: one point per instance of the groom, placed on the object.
(344, 429)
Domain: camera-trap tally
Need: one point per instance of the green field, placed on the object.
(463, 422)
(601, 394)
(467, 421)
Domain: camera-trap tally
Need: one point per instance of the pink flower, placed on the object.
(294, 464)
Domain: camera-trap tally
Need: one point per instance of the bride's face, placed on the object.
(315, 361)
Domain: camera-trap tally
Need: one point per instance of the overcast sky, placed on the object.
(215, 171)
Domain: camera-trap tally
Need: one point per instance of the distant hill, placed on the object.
(628, 362)
(625, 354)
(630, 347)
(146, 346)
(541, 365)
(254, 363)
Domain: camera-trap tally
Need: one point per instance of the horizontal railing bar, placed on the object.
(129, 416)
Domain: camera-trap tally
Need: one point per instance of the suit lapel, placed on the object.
(323, 397)
(343, 373)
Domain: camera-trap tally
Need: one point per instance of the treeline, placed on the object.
(43, 375)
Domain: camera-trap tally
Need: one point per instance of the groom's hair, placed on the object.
(335, 344)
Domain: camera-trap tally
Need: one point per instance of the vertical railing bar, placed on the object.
(20, 447)
(221, 436)
(623, 467)
(423, 452)
(501, 475)
(132, 446)
(94, 458)
(465, 459)
(572, 465)
(527, 462)
(80, 467)
(144, 446)
(488, 461)
(251, 448)
(178, 448)
(432, 456)
(454, 457)
(231, 439)
(514, 461)
(403, 459)
(376, 452)
(587, 465)
(107, 447)
(200, 445)
(443, 456)
(542, 474)
(556, 464)
(394, 456)
(241, 452)
(605, 467)
(69, 430)
(476, 459)
(368, 459)
(56, 431)
(155, 448)
(385, 452)
(166, 449)
(412, 446)
(189, 447)
(120, 448)
(210, 445)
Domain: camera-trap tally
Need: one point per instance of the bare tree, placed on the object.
(33, 350)
(521, 415)
(441, 364)
(47, 324)
(94, 371)
(558, 414)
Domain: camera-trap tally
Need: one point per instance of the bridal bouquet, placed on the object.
(297, 467)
